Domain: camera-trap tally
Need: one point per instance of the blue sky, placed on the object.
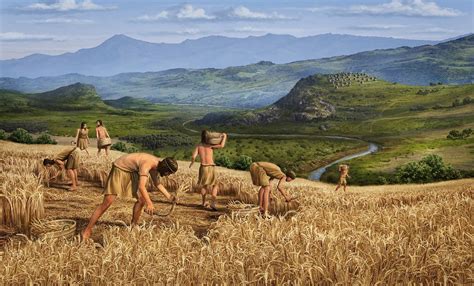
(59, 26)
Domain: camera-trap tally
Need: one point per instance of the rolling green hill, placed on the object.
(258, 85)
(131, 103)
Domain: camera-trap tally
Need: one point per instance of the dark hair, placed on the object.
(48, 162)
(82, 124)
(168, 165)
(290, 174)
(203, 136)
(100, 122)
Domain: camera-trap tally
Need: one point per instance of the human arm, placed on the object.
(193, 157)
(223, 141)
(106, 133)
(282, 191)
(87, 136)
(144, 194)
(165, 192)
(60, 163)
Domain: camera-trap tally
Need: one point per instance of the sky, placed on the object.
(59, 26)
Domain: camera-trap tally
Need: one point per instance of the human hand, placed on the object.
(150, 208)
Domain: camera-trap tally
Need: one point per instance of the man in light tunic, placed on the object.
(128, 179)
(207, 173)
(263, 173)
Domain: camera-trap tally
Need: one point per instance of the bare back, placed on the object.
(137, 162)
(206, 153)
(102, 132)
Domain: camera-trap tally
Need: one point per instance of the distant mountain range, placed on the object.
(263, 83)
(121, 54)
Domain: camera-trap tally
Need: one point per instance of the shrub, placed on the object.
(467, 100)
(45, 139)
(3, 134)
(224, 161)
(429, 169)
(122, 147)
(243, 162)
(20, 135)
(456, 134)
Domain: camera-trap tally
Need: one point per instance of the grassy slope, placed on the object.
(389, 114)
(261, 84)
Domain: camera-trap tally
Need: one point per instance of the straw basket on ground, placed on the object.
(242, 209)
(59, 228)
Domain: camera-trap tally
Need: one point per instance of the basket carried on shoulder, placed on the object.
(59, 228)
(213, 138)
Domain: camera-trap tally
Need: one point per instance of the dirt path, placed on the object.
(79, 205)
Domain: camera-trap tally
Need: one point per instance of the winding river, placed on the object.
(316, 174)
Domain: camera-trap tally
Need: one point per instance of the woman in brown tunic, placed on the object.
(103, 138)
(82, 137)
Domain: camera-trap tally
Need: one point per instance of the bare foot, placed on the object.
(72, 189)
(85, 235)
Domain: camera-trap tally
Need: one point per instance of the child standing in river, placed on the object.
(343, 175)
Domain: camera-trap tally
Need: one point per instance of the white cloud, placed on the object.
(409, 8)
(66, 6)
(61, 21)
(22, 37)
(376, 27)
(248, 29)
(189, 12)
(153, 18)
(244, 13)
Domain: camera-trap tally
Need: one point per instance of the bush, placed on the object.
(430, 169)
(456, 134)
(45, 139)
(122, 147)
(224, 161)
(243, 162)
(20, 135)
(3, 134)
(467, 100)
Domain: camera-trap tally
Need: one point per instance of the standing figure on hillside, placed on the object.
(343, 175)
(263, 173)
(207, 173)
(103, 138)
(82, 137)
(128, 178)
(67, 159)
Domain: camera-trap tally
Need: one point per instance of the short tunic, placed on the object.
(263, 172)
(207, 175)
(72, 157)
(82, 142)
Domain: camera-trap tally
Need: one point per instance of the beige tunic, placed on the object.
(207, 175)
(82, 140)
(72, 157)
(263, 172)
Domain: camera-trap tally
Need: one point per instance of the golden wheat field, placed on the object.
(385, 235)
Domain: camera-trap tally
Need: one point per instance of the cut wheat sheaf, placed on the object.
(414, 234)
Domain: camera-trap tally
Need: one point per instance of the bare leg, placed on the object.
(77, 177)
(337, 188)
(266, 199)
(261, 192)
(72, 176)
(203, 195)
(87, 152)
(107, 151)
(98, 152)
(214, 191)
(345, 187)
(137, 210)
(99, 211)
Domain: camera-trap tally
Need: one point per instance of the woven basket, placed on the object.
(242, 209)
(213, 138)
(60, 228)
